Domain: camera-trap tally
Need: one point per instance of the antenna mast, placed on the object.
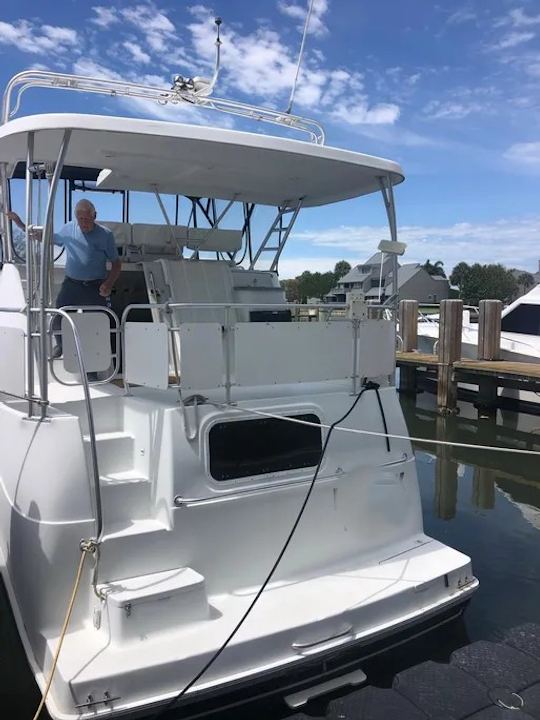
(300, 56)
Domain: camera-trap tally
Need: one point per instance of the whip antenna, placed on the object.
(300, 55)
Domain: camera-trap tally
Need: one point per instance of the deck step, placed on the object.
(125, 495)
(114, 451)
(136, 546)
(153, 603)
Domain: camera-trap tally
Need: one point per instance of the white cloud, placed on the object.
(105, 17)
(33, 38)
(451, 110)
(463, 15)
(518, 18)
(360, 114)
(136, 52)
(299, 12)
(260, 64)
(511, 242)
(152, 23)
(526, 155)
(512, 39)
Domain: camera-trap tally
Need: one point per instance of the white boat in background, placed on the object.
(520, 337)
(232, 545)
(520, 330)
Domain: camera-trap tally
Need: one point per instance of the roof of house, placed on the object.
(357, 275)
(405, 273)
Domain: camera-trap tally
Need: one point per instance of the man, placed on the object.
(88, 247)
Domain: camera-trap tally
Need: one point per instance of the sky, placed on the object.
(448, 89)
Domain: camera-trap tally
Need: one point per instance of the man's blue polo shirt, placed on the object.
(86, 253)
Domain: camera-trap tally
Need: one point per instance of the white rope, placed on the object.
(373, 433)
(300, 56)
(85, 550)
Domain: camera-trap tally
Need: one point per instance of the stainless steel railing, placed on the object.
(326, 308)
(43, 398)
(114, 356)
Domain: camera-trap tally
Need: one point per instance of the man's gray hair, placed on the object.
(85, 204)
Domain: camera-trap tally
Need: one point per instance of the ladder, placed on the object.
(288, 212)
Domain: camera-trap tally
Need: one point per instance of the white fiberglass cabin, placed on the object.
(229, 541)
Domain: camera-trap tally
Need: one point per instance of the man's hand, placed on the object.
(16, 219)
(105, 289)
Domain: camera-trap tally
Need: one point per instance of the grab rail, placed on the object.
(88, 405)
(89, 413)
(115, 356)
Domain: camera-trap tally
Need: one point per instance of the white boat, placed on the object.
(227, 547)
(520, 337)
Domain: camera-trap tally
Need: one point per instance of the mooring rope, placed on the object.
(391, 436)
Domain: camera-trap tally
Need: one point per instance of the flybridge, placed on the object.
(196, 91)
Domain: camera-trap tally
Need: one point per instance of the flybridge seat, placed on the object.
(187, 281)
(143, 239)
(211, 281)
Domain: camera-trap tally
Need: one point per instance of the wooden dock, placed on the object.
(488, 372)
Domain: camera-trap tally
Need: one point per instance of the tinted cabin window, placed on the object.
(524, 319)
(255, 447)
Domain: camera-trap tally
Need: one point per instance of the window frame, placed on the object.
(271, 479)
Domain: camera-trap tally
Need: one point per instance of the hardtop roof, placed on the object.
(174, 158)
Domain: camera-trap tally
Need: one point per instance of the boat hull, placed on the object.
(20, 692)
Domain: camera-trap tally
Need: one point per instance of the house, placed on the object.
(375, 283)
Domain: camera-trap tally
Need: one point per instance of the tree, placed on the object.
(487, 282)
(342, 268)
(436, 268)
(292, 291)
(457, 276)
(314, 285)
(525, 280)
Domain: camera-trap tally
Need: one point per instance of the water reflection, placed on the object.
(486, 504)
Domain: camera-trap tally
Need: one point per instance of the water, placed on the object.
(483, 503)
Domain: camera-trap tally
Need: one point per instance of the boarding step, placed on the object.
(136, 547)
(114, 451)
(125, 495)
(154, 603)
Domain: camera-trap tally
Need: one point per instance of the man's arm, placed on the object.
(16, 219)
(106, 286)
(57, 238)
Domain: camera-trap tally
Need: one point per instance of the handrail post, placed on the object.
(355, 324)
(45, 255)
(227, 343)
(29, 275)
(7, 236)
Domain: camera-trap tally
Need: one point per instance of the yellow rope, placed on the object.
(84, 552)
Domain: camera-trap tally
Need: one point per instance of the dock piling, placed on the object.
(450, 328)
(408, 331)
(489, 330)
(489, 348)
